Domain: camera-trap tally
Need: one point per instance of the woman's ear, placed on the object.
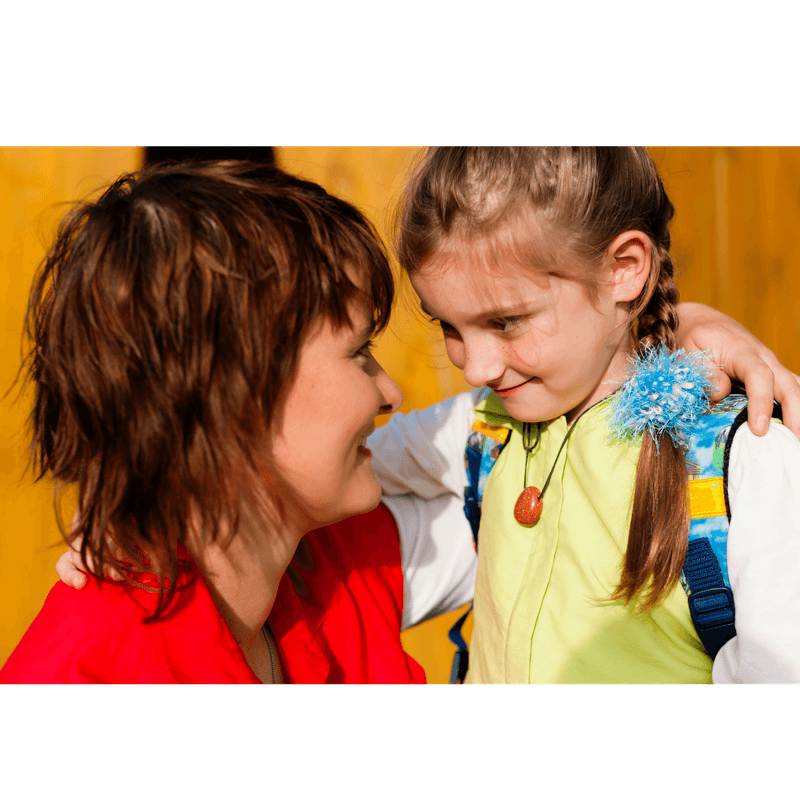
(629, 258)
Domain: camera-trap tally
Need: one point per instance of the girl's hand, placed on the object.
(72, 570)
(742, 357)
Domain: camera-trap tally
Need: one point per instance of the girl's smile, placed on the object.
(508, 391)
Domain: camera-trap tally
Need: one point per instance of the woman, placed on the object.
(252, 279)
(202, 371)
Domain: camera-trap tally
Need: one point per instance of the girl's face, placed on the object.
(323, 468)
(534, 338)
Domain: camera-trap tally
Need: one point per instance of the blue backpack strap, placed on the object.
(705, 569)
(483, 448)
(710, 599)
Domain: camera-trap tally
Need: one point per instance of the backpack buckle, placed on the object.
(713, 615)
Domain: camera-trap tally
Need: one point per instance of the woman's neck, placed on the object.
(243, 578)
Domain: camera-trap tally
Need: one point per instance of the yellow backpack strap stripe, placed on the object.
(496, 432)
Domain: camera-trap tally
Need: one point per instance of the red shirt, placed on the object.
(336, 619)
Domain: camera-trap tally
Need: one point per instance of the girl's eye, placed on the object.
(506, 325)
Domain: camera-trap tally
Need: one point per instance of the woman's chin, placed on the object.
(362, 500)
(369, 498)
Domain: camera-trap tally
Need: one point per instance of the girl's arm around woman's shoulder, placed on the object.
(764, 559)
(419, 460)
(422, 452)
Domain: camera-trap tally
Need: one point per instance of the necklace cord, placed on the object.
(269, 647)
(529, 448)
(555, 461)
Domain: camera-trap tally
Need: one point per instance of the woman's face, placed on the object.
(319, 454)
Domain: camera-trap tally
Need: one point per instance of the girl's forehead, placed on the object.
(467, 288)
(481, 269)
(521, 242)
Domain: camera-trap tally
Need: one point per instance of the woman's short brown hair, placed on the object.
(165, 324)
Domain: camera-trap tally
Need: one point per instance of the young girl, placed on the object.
(547, 269)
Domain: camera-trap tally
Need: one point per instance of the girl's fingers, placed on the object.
(71, 569)
(67, 570)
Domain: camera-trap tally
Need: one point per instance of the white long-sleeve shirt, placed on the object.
(419, 461)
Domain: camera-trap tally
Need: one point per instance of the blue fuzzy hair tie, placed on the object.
(666, 393)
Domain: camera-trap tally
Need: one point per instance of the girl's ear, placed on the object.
(629, 258)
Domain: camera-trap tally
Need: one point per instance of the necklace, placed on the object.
(269, 647)
(528, 507)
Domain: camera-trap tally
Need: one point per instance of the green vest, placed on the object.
(541, 608)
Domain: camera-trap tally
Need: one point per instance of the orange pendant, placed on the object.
(528, 507)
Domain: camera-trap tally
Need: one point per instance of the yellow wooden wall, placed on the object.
(35, 185)
(737, 211)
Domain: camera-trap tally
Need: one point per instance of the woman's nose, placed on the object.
(391, 393)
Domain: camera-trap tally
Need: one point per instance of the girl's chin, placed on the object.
(532, 412)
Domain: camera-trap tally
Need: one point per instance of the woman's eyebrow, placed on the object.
(366, 330)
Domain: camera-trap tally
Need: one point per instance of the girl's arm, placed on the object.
(437, 555)
(763, 559)
(419, 461)
(423, 451)
(744, 358)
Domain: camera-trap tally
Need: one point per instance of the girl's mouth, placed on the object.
(510, 390)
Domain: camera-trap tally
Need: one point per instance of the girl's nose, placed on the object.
(483, 362)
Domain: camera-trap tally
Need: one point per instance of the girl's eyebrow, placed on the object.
(499, 312)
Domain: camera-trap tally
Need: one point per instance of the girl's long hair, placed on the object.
(165, 326)
(538, 204)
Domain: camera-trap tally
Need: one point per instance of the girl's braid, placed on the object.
(658, 321)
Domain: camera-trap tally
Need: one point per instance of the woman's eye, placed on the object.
(365, 351)
(446, 329)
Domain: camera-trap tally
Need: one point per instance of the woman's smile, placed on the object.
(362, 443)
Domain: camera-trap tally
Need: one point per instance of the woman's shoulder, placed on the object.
(359, 556)
(363, 541)
(72, 638)
(101, 634)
